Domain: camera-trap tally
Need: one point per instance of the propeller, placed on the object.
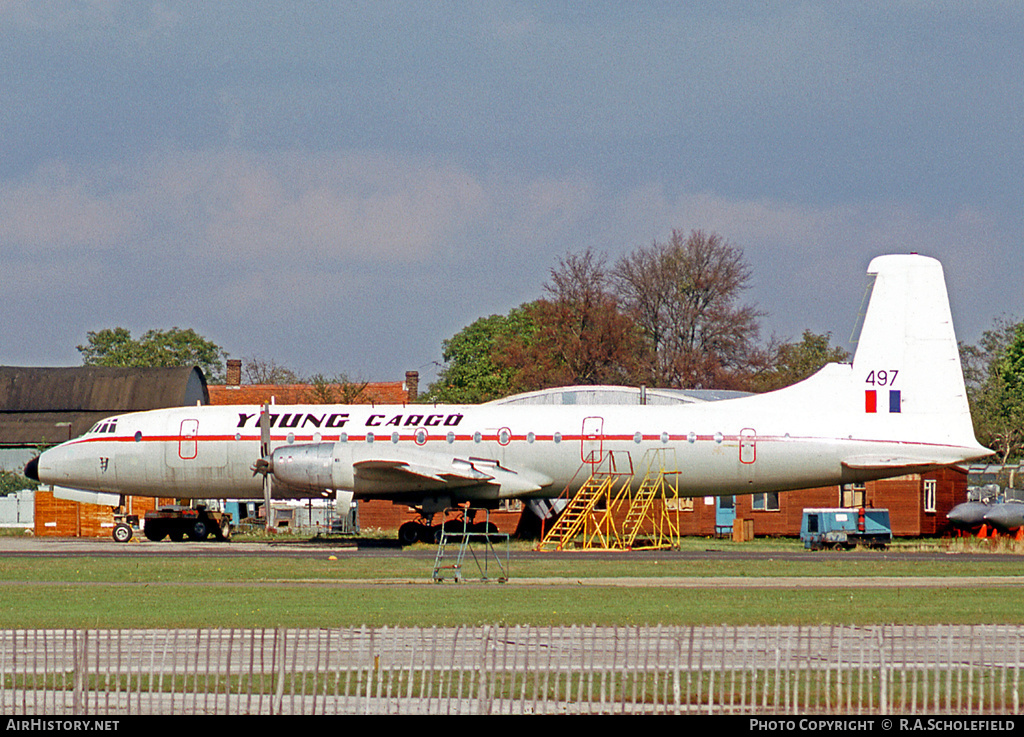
(265, 465)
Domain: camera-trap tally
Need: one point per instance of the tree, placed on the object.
(667, 315)
(473, 371)
(174, 347)
(580, 336)
(684, 294)
(994, 375)
(11, 482)
(258, 370)
(321, 389)
(337, 390)
(794, 362)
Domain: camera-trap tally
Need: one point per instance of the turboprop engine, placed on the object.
(310, 468)
(305, 468)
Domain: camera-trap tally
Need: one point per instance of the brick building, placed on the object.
(917, 504)
(378, 392)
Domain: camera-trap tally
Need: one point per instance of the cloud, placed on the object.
(342, 206)
(57, 209)
(248, 206)
(334, 209)
(241, 244)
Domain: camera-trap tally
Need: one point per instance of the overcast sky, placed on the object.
(340, 187)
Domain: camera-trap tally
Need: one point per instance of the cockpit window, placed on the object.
(104, 426)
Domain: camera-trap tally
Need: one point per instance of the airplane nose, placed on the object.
(32, 469)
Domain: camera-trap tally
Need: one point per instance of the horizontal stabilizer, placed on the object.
(881, 463)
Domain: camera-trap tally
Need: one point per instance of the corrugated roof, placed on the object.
(99, 389)
(49, 405)
(23, 429)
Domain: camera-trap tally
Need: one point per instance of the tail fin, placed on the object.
(907, 361)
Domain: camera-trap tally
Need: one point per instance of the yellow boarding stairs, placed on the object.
(588, 522)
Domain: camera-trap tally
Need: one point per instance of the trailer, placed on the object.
(180, 522)
(844, 528)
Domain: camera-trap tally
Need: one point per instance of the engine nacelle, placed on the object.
(306, 467)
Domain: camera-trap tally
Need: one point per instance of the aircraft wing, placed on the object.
(440, 472)
(406, 471)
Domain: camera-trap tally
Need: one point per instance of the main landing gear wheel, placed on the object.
(409, 533)
(122, 532)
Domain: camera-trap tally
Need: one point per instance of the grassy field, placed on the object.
(355, 589)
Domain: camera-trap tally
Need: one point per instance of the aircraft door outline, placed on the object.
(188, 444)
(748, 446)
(592, 440)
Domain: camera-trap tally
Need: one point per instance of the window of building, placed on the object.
(854, 495)
(767, 502)
(681, 504)
(930, 486)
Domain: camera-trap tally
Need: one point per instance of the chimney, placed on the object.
(234, 377)
(412, 385)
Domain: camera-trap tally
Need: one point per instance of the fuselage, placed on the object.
(736, 446)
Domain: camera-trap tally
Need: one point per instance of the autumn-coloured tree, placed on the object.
(666, 315)
(259, 370)
(579, 336)
(338, 389)
(685, 295)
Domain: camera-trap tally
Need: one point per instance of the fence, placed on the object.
(513, 670)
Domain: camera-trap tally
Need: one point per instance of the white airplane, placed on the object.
(899, 408)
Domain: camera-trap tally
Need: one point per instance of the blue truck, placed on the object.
(841, 528)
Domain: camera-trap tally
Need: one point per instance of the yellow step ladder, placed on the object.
(585, 516)
(640, 505)
(660, 482)
(589, 520)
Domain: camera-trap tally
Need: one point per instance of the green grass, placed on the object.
(186, 606)
(356, 589)
(930, 690)
(352, 565)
